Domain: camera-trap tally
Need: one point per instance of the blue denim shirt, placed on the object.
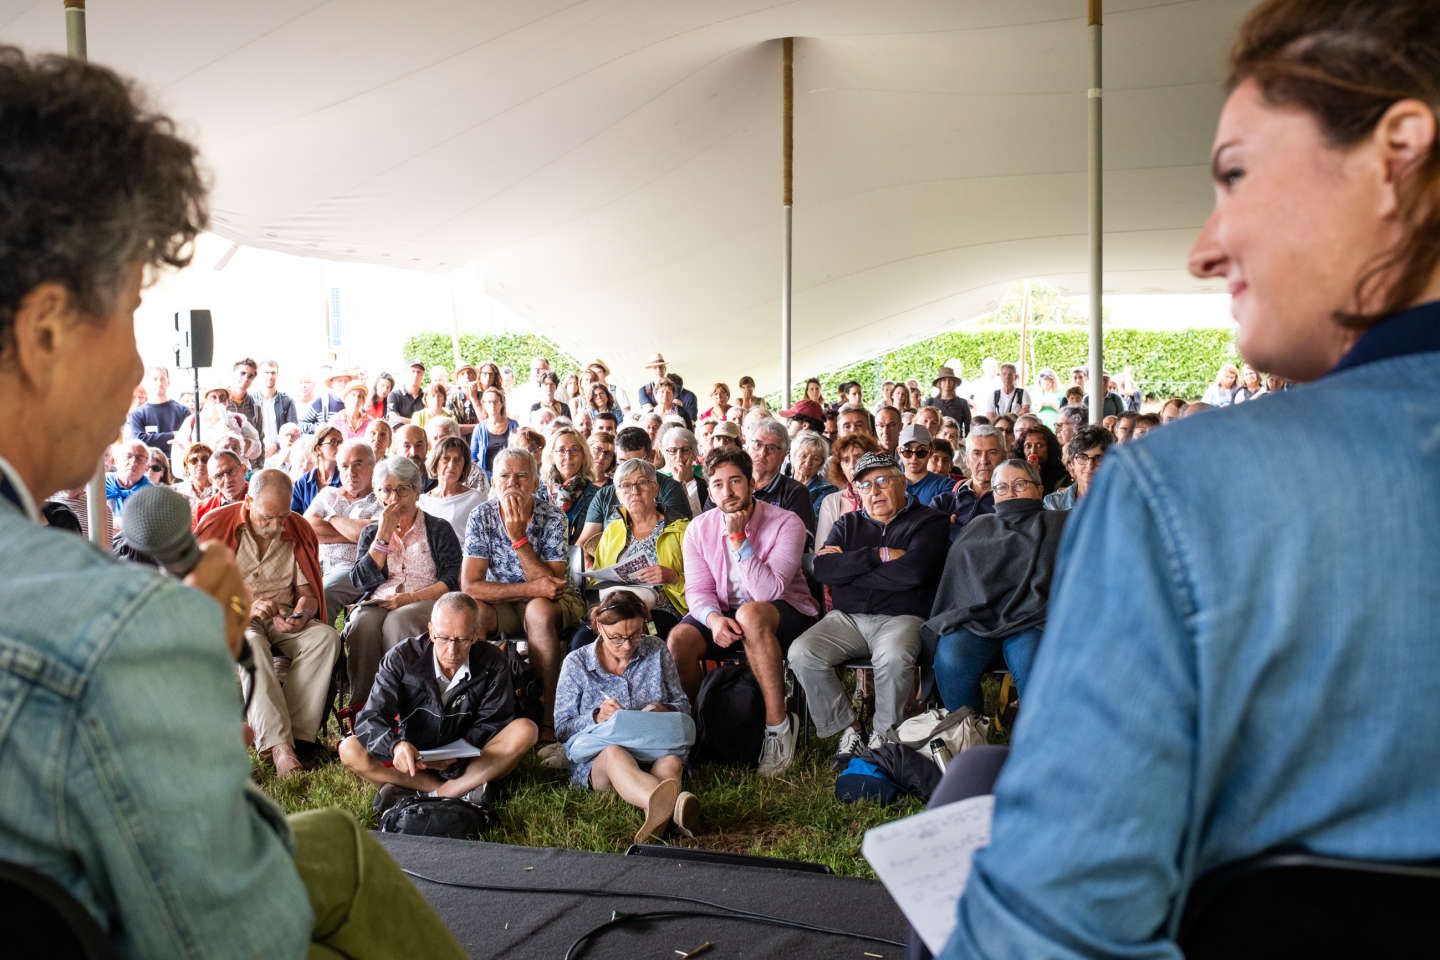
(122, 772)
(1216, 699)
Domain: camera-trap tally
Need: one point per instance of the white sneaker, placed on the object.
(848, 746)
(877, 740)
(778, 750)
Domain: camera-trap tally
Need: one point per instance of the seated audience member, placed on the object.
(355, 419)
(1124, 426)
(948, 402)
(1009, 397)
(852, 393)
(607, 421)
(950, 432)
(492, 433)
(1195, 407)
(285, 436)
(602, 458)
(805, 415)
(942, 460)
(1016, 441)
(193, 468)
(888, 423)
(1172, 409)
(530, 440)
(516, 564)
(154, 422)
(443, 685)
(450, 499)
(681, 450)
(914, 455)
(1004, 424)
(854, 419)
(404, 401)
(1083, 455)
(881, 564)
(651, 424)
(994, 592)
(405, 560)
(324, 474)
(624, 668)
(746, 591)
(1074, 397)
(302, 457)
(972, 497)
(214, 419)
(412, 443)
(1221, 393)
(1144, 423)
(725, 434)
(337, 515)
(329, 404)
(844, 455)
(632, 443)
(437, 429)
(768, 444)
(549, 384)
(667, 402)
(380, 435)
(565, 477)
(436, 396)
(808, 453)
(720, 397)
(1042, 449)
(131, 473)
(642, 531)
(280, 560)
(228, 483)
(1072, 418)
(832, 429)
(930, 419)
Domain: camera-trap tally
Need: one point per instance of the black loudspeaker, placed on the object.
(194, 339)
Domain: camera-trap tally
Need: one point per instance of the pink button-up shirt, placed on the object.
(767, 568)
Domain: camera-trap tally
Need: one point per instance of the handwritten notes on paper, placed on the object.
(924, 862)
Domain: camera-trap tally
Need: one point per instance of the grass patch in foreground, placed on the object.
(795, 816)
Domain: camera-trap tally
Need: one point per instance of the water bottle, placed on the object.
(940, 753)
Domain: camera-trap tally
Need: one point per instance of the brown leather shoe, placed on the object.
(287, 762)
(659, 808)
(687, 813)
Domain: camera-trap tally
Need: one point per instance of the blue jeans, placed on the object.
(962, 658)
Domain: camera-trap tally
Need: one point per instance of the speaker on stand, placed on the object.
(194, 348)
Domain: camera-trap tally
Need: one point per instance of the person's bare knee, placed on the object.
(354, 755)
(756, 618)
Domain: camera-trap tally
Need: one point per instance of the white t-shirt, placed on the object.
(332, 500)
(453, 510)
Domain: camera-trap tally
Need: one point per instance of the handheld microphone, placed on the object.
(157, 523)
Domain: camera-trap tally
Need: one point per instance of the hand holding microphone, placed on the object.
(157, 523)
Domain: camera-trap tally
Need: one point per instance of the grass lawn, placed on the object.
(794, 817)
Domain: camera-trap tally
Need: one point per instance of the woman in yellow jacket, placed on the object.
(646, 547)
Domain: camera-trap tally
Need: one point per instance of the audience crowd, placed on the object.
(912, 528)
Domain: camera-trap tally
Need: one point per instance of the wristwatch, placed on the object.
(381, 543)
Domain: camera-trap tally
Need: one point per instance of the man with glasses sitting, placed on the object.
(914, 456)
(881, 563)
(995, 592)
(768, 444)
(228, 480)
(132, 462)
(1083, 454)
(432, 690)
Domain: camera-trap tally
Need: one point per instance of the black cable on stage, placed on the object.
(730, 913)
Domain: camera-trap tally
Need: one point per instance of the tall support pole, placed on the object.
(787, 150)
(1024, 329)
(1097, 242)
(95, 505)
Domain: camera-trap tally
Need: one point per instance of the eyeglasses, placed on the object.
(883, 481)
(332, 442)
(676, 451)
(770, 448)
(914, 451)
(1016, 486)
(191, 461)
(624, 641)
(436, 638)
(247, 375)
(637, 487)
(157, 468)
(1085, 459)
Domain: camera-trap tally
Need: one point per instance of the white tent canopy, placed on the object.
(613, 161)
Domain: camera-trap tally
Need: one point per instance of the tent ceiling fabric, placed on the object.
(615, 161)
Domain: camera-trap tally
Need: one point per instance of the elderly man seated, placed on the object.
(768, 443)
(881, 563)
(444, 685)
(132, 462)
(746, 591)
(516, 564)
(972, 497)
(411, 441)
(337, 515)
(227, 478)
(1083, 455)
(995, 591)
(280, 561)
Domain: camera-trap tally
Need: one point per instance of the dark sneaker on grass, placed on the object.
(389, 795)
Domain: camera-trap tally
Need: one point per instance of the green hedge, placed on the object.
(514, 350)
(1166, 363)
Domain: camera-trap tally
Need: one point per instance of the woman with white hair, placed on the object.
(681, 450)
(405, 561)
(808, 453)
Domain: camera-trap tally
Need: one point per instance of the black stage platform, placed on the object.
(544, 925)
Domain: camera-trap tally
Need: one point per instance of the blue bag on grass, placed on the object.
(648, 735)
(862, 780)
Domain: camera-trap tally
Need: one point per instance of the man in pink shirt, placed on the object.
(744, 585)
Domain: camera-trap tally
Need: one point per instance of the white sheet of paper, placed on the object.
(924, 862)
(454, 750)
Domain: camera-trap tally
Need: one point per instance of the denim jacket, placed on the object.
(122, 772)
(1215, 700)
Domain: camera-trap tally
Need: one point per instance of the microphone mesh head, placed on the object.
(157, 522)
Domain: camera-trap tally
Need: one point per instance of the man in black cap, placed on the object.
(882, 563)
(404, 403)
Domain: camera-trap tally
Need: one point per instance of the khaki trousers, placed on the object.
(281, 714)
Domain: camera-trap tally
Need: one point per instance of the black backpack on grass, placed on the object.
(424, 816)
(729, 717)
